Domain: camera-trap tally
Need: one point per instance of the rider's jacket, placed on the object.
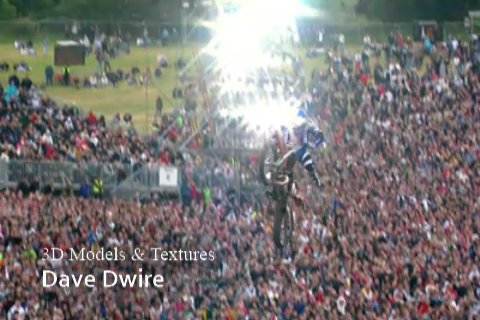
(303, 131)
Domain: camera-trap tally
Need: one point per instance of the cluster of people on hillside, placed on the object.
(104, 49)
(397, 238)
(35, 127)
(103, 77)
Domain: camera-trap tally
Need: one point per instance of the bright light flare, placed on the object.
(237, 46)
(242, 43)
(243, 40)
(265, 116)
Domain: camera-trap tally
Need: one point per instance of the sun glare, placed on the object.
(243, 41)
(265, 115)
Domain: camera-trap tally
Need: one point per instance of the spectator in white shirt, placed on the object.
(15, 311)
(93, 81)
(320, 38)
(36, 102)
(250, 291)
(341, 42)
(94, 140)
(47, 137)
(74, 30)
(104, 80)
(367, 41)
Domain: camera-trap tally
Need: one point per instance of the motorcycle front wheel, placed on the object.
(283, 227)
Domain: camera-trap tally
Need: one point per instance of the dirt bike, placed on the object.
(276, 172)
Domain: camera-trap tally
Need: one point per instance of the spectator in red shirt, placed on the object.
(92, 118)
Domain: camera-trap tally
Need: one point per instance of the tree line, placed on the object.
(162, 10)
(409, 10)
(115, 10)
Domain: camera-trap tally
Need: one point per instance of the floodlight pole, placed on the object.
(185, 6)
(146, 82)
(239, 173)
(236, 173)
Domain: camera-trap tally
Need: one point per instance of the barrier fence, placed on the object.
(125, 178)
(127, 181)
(354, 32)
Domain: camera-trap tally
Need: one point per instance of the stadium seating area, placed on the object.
(396, 238)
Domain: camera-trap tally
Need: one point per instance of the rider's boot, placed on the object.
(314, 175)
(309, 165)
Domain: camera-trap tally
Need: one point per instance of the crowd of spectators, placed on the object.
(397, 238)
(35, 127)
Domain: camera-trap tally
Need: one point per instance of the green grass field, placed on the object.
(108, 100)
(139, 101)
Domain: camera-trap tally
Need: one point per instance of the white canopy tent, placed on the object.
(469, 21)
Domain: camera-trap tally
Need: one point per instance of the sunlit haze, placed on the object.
(243, 42)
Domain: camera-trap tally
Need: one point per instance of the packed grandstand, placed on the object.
(394, 234)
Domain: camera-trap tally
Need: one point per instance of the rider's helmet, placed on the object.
(301, 120)
(302, 114)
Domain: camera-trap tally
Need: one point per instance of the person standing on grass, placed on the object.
(66, 75)
(45, 46)
(320, 37)
(98, 55)
(49, 73)
(175, 35)
(165, 36)
(341, 42)
(106, 63)
(159, 107)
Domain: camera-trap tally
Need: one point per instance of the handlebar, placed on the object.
(294, 150)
